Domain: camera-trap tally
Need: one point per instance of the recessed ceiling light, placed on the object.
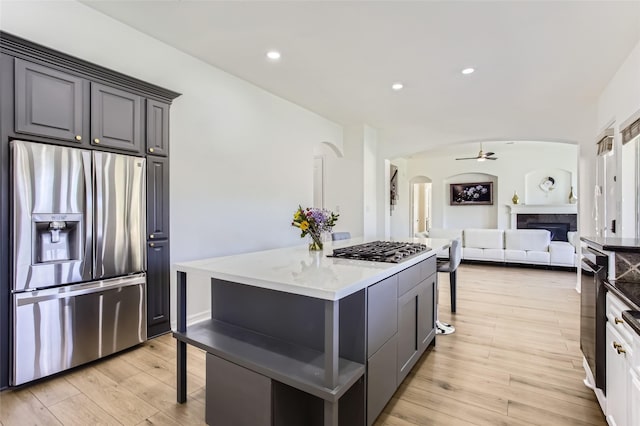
(467, 71)
(397, 86)
(274, 55)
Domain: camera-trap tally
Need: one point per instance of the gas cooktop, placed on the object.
(380, 251)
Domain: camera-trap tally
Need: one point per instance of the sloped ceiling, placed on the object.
(540, 66)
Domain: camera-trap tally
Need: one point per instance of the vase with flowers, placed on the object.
(314, 222)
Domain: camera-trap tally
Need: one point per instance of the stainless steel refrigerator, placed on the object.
(78, 276)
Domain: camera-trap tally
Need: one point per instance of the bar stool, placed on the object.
(451, 266)
(340, 236)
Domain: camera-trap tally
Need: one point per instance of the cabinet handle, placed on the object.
(96, 140)
(150, 149)
(618, 320)
(620, 350)
(78, 137)
(151, 236)
(616, 345)
(152, 245)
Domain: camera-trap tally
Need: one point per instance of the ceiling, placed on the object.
(540, 65)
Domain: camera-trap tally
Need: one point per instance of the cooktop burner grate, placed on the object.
(380, 251)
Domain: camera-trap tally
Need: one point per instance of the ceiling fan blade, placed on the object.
(481, 156)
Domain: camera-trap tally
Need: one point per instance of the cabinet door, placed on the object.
(157, 198)
(382, 313)
(381, 379)
(407, 332)
(634, 400)
(47, 102)
(116, 118)
(158, 320)
(426, 312)
(617, 379)
(157, 128)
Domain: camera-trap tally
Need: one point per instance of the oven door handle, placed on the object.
(590, 266)
(594, 251)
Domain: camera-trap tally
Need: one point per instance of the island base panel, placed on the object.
(381, 378)
(236, 395)
(294, 407)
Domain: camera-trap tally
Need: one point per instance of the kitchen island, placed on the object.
(303, 338)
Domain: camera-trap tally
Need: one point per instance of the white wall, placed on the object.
(241, 158)
(371, 173)
(343, 178)
(514, 162)
(618, 102)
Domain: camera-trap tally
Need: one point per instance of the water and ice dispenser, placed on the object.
(57, 237)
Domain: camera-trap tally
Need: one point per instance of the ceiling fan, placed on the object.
(481, 156)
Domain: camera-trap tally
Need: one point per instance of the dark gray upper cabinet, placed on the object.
(48, 102)
(157, 128)
(157, 198)
(158, 319)
(116, 118)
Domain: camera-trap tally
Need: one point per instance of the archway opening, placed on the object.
(421, 193)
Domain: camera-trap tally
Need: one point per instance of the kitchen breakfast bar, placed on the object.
(297, 337)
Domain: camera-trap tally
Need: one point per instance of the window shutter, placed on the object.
(605, 144)
(631, 131)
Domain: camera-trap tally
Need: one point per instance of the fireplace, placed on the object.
(557, 219)
(558, 230)
(558, 224)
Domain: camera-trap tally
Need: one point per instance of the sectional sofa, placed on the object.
(523, 246)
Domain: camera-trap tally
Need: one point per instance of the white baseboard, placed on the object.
(193, 319)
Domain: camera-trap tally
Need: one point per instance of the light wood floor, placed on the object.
(514, 360)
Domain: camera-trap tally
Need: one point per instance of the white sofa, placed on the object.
(523, 246)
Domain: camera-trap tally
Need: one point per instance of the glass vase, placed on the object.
(315, 242)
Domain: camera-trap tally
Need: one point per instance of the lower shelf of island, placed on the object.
(294, 365)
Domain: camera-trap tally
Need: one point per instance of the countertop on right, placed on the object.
(629, 293)
(630, 245)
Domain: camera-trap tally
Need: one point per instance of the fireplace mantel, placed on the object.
(540, 209)
(543, 208)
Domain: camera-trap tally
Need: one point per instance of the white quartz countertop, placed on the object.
(298, 271)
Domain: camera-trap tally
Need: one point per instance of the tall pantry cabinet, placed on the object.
(51, 97)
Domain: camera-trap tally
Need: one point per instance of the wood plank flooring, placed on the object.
(514, 360)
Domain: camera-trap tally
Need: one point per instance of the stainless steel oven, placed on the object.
(593, 317)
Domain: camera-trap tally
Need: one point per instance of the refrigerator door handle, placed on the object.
(38, 296)
(98, 266)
